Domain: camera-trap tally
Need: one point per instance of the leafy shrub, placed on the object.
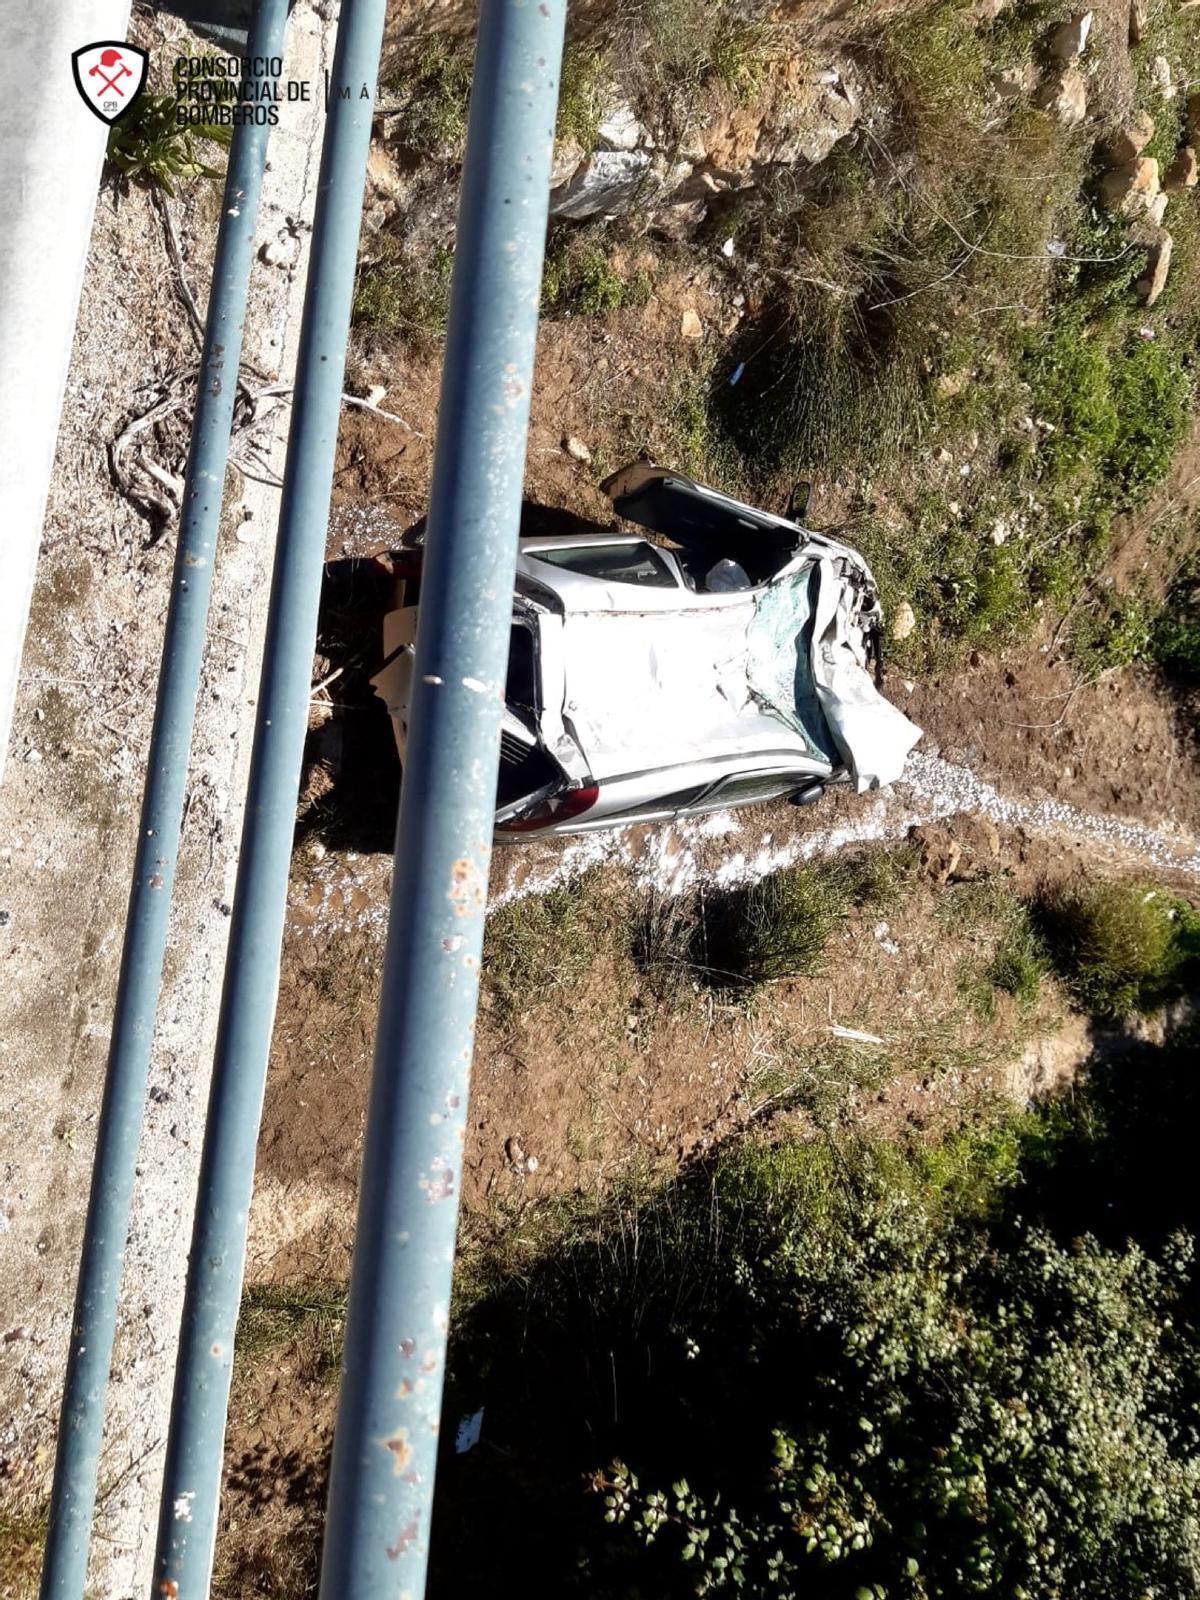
(150, 148)
(836, 1371)
(1121, 947)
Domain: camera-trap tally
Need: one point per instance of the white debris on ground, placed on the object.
(672, 860)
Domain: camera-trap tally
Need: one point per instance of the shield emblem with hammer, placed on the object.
(109, 75)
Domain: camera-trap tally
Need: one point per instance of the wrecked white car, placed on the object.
(724, 664)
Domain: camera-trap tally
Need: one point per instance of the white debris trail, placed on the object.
(665, 860)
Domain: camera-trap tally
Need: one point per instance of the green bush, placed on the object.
(150, 148)
(831, 1371)
(1121, 947)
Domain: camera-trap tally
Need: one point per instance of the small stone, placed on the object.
(281, 251)
(1069, 39)
(1158, 264)
(514, 1150)
(903, 621)
(376, 394)
(1183, 171)
(532, 1164)
(577, 450)
(1130, 141)
(1064, 96)
(159, 1095)
(5, 918)
(1130, 189)
(690, 325)
(1138, 20)
(727, 249)
(33, 757)
(951, 384)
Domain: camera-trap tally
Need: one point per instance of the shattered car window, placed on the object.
(619, 563)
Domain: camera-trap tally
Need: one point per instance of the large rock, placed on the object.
(1064, 96)
(606, 184)
(1158, 263)
(1157, 210)
(1183, 171)
(1128, 190)
(1129, 143)
(1069, 39)
(1163, 78)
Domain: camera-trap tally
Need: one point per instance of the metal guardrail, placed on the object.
(389, 1413)
(195, 1441)
(386, 1439)
(89, 1355)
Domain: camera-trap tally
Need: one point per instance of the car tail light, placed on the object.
(562, 809)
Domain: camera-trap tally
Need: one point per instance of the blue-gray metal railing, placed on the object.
(89, 1356)
(385, 1444)
(187, 1516)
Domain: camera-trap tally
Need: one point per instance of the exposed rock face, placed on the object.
(1069, 39)
(604, 185)
(1157, 210)
(1158, 263)
(1129, 190)
(1131, 140)
(813, 109)
(1183, 171)
(1064, 96)
(621, 130)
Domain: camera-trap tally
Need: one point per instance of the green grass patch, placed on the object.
(778, 926)
(549, 942)
(581, 96)
(151, 149)
(279, 1316)
(1120, 947)
(409, 298)
(1175, 637)
(436, 83)
(580, 279)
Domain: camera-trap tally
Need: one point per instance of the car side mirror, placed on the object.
(798, 502)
